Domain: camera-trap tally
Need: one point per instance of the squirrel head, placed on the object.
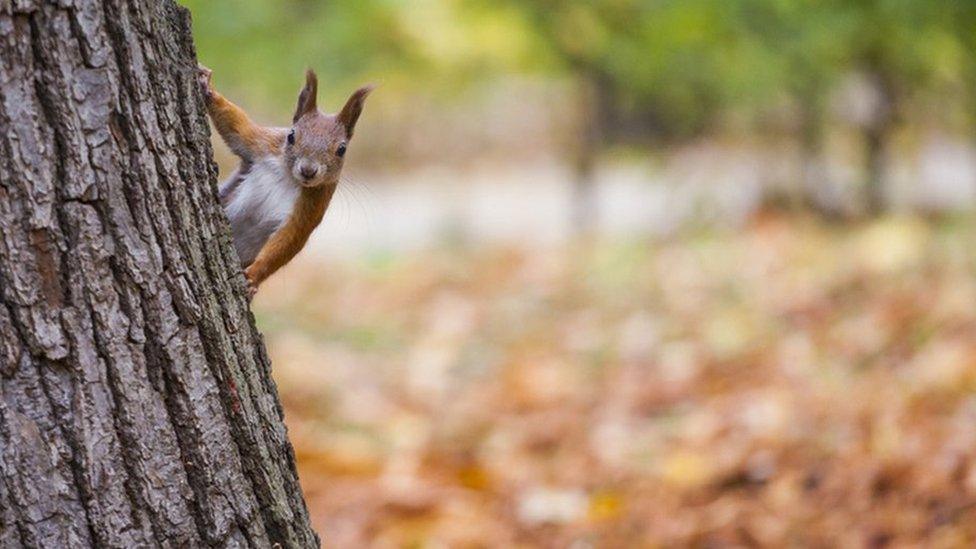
(316, 143)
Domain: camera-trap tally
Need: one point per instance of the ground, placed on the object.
(788, 384)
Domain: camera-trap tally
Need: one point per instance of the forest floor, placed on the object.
(793, 383)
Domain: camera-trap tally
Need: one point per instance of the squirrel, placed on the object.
(286, 177)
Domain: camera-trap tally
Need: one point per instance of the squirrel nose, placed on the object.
(308, 172)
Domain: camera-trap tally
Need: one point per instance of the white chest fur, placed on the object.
(259, 205)
(267, 193)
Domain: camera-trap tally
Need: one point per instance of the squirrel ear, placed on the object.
(307, 98)
(353, 108)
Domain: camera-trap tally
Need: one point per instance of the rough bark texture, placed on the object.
(136, 403)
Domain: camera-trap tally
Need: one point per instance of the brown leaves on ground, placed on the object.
(792, 385)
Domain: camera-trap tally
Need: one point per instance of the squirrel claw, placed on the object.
(252, 284)
(205, 80)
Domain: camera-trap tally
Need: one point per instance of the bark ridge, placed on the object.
(136, 401)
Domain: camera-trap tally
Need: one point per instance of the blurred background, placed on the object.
(627, 273)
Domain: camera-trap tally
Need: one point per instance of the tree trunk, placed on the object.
(876, 141)
(593, 96)
(813, 181)
(137, 407)
(877, 135)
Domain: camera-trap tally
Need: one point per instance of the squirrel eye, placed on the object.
(341, 151)
(291, 137)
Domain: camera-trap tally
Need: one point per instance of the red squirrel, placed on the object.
(286, 178)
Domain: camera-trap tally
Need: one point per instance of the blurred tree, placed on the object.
(899, 45)
(806, 42)
(641, 71)
(570, 37)
(670, 70)
(964, 27)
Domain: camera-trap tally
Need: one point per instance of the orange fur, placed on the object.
(291, 238)
(242, 135)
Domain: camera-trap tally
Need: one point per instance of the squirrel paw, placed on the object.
(252, 284)
(205, 81)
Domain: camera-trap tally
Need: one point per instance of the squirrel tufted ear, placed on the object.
(353, 108)
(307, 98)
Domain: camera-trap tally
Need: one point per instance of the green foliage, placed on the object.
(261, 48)
(695, 61)
(686, 64)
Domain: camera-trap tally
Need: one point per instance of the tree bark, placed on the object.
(137, 407)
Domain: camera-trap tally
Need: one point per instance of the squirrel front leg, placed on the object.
(245, 138)
(287, 241)
(277, 251)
